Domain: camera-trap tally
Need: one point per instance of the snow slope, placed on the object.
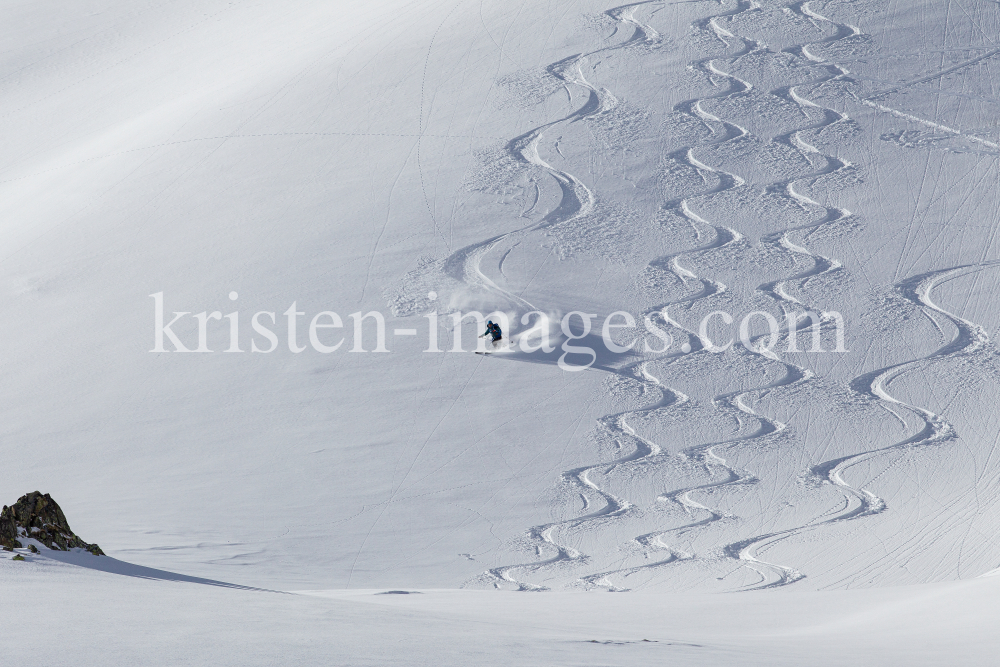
(85, 617)
(668, 159)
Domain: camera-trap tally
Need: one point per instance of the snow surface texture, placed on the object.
(668, 159)
(121, 621)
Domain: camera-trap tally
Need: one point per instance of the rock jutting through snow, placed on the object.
(37, 516)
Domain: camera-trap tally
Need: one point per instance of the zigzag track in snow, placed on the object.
(645, 450)
(935, 429)
(577, 200)
(721, 236)
(578, 479)
(744, 550)
(732, 403)
(786, 292)
(802, 314)
(830, 164)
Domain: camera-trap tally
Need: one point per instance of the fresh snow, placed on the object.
(72, 616)
(666, 159)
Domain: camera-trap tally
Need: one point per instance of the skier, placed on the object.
(493, 329)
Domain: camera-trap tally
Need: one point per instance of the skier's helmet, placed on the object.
(490, 323)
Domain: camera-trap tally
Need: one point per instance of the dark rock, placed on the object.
(37, 516)
(32, 548)
(18, 557)
(8, 530)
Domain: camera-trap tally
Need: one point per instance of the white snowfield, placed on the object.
(829, 165)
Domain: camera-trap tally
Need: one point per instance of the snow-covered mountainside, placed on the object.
(238, 239)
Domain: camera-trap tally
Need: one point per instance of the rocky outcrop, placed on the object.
(37, 516)
(8, 530)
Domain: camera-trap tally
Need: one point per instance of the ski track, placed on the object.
(721, 236)
(731, 403)
(874, 385)
(936, 429)
(860, 502)
(822, 165)
(578, 200)
(745, 550)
